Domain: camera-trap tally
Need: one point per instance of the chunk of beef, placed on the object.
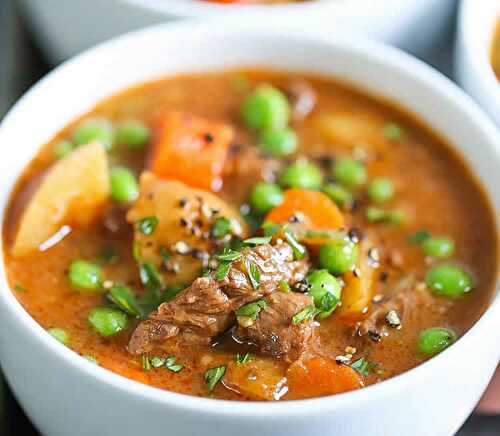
(392, 312)
(274, 332)
(206, 308)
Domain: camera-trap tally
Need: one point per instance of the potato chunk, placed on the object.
(259, 379)
(73, 192)
(181, 242)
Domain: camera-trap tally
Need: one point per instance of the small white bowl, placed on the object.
(64, 30)
(473, 70)
(66, 395)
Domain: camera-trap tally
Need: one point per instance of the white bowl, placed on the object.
(66, 395)
(473, 70)
(64, 28)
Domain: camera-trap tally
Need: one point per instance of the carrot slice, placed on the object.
(313, 210)
(191, 149)
(318, 377)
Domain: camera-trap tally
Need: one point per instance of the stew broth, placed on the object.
(433, 189)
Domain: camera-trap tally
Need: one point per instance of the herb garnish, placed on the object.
(284, 286)
(253, 273)
(306, 314)
(213, 376)
(228, 255)
(158, 362)
(299, 251)
(147, 225)
(241, 359)
(251, 310)
(258, 240)
(146, 363)
(125, 300)
(270, 229)
(220, 228)
(150, 277)
(222, 271)
(171, 365)
(165, 253)
(19, 288)
(419, 236)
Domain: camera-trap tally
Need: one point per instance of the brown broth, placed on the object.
(433, 185)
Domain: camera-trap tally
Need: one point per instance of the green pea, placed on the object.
(266, 108)
(124, 186)
(106, 321)
(85, 275)
(63, 148)
(280, 142)
(133, 133)
(265, 196)
(94, 129)
(349, 172)
(381, 190)
(434, 340)
(341, 196)
(338, 257)
(449, 280)
(301, 174)
(325, 291)
(440, 248)
(60, 334)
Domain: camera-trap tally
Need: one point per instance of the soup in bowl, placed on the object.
(244, 226)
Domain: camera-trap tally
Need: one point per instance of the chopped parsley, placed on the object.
(229, 255)
(328, 302)
(147, 225)
(270, 229)
(241, 359)
(150, 277)
(299, 251)
(220, 228)
(284, 286)
(251, 310)
(306, 314)
(19, 288)
(419, 236)
(122, 297)
(146, 363)
(165, 253)
(258, 240)
(213, 376)
(157, 362)
(171, 365)
(222, 270)
(253, 273)
(365, 367)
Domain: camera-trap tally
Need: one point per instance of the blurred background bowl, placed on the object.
(473, 69)
(408, 24)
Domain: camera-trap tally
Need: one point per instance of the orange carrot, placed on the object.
(191, 149)
(318, 376)
(313, 210)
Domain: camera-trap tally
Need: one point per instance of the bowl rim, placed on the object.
(478, 53)
(373, 52)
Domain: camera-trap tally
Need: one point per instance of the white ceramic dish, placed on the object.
(476, 26)
(64, 28)
(66, 395)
